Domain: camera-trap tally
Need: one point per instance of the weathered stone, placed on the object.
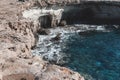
(63, 23)
(17, 36)
(56, 38)
(22, 76)
(44, 32)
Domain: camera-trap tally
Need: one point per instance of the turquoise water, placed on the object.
(96, 55)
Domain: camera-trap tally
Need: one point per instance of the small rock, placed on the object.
(44, 32)
(63, 23)
(56, 38)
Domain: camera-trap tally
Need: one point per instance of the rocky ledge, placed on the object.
(17, 37)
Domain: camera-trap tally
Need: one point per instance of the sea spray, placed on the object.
(52, 51)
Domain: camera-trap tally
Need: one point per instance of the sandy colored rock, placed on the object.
(17, 37)
(22, 76)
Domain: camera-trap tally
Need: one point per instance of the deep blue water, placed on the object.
(96, 55)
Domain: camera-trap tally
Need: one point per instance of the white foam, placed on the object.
(100, 28)
(51, 50)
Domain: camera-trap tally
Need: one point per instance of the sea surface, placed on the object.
(95, 55)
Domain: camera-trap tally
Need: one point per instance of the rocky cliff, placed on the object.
(86, 11)
(17, 37)
(44, 3)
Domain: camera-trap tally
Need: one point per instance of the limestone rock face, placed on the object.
(44, 3)
(17, 37)
(19, 77)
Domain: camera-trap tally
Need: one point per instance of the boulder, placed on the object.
(56, 38)
(63, 23)
(44, 32)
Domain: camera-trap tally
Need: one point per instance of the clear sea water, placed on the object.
(95, 55)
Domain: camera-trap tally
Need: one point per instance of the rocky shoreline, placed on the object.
(17, 37)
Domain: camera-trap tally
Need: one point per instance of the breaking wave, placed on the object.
(52, 50)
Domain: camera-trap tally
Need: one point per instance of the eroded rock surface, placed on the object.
(17, 37)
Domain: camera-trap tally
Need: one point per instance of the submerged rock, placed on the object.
(56, 38)
(87, 33)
